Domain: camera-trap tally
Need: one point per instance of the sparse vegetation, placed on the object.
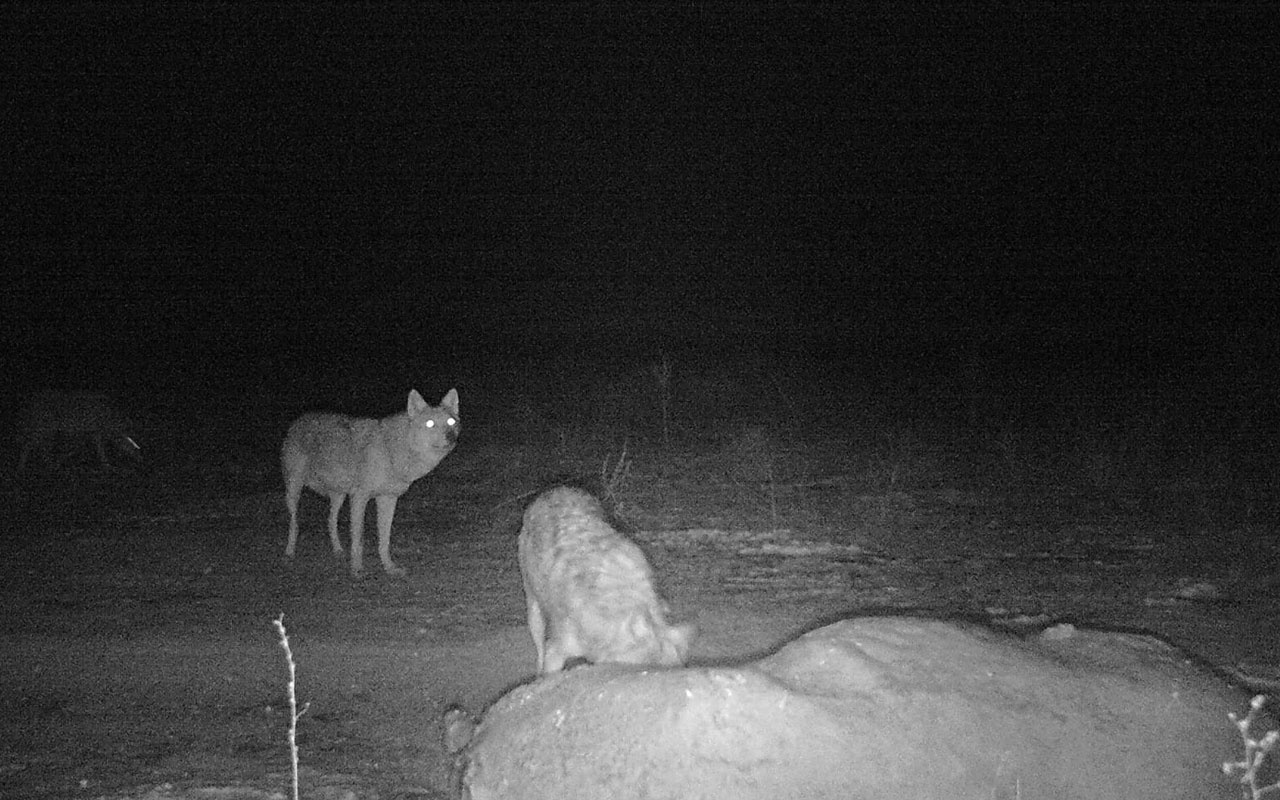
(1249, 769)
(294, 712)
(613, 479)
(662, 381)
(761, 495)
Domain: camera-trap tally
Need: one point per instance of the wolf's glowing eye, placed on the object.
(451, 422)
(431, 423)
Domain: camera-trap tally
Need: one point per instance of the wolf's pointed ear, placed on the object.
(450, 401)
(416, 403)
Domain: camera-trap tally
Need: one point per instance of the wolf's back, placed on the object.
(321, 436)
(590, 588)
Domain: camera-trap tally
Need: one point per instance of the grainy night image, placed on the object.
(915, 369)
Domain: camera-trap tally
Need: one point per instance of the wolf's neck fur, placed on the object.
(407, 463)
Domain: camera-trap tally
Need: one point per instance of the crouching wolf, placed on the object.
(74, 430)
(590, 590)
(339, 457)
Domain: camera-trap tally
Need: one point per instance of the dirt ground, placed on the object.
(139, 659)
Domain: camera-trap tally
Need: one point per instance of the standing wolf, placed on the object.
(590, 590)
(339, 456)
(82, 430)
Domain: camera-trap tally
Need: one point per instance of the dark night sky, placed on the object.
(224, 194)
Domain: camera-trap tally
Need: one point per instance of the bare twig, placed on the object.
(294, 713)
(612, 478)
(1255, 753)
(662, 377)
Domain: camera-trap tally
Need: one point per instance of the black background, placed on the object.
(214, 198)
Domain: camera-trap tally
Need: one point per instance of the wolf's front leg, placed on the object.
(356, 508)
(386, 513)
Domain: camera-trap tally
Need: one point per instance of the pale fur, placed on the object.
(590, 590)
(340, 457)
(61, 427)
